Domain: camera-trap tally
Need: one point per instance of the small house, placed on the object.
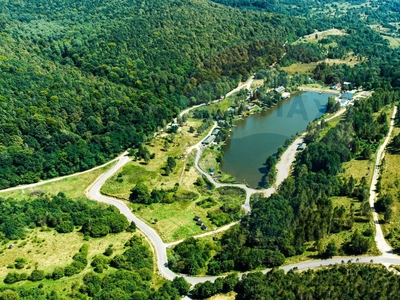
(301, 147)
(337, 86)
(216, 131)
(200, 223)
(347, 96)
(285, 95)
(203, 227)
(196, 218)
(208, 140)
(279, 89)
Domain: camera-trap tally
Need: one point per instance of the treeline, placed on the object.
(302, 211)
(337, 282)
(304, 53)
(327, 13)
(60, 213)
(81, 82)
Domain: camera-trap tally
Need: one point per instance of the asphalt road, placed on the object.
(93, 192)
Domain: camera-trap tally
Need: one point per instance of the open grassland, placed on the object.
(72, 187)
(49, 249)
(307, 68)
(300, 68)
(318, 35)
(358, 169)
(393, 41)
(228, 296)
(153, 174)
(210, 159)
(331, 124)
(390, 176)
(46, 250)
(174, 221)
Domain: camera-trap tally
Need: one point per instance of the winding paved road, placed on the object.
(283, 167)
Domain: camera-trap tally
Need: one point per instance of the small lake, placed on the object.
(255, 138)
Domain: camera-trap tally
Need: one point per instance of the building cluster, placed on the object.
(200, 223)
(210, 139)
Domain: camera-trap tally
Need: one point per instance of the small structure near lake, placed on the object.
(280, 89)
(301, 147)
(208, 140)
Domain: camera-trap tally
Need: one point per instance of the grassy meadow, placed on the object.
(47, 249)
(72, 187)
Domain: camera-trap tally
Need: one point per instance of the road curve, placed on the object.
(93, 192)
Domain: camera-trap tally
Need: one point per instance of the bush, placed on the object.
(36, 275)
(65, 227)
(20, 263)
(109, 251)
(57, 273)
(15, 277)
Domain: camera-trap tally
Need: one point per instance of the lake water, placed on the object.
(259, 136)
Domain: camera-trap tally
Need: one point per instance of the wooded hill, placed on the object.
(82, 81)
(338, 282)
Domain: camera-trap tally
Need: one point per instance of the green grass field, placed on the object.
(46, 250)
(73, 187)
(391, 184)
(175, 221)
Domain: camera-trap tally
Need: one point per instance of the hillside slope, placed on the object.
(82, 81)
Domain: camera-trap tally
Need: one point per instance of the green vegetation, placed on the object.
(388, 198)
(60, 213)
(127, 271)
(350, 281)
(73, 187)
(303, 209)
(81, 82)
(174, 220)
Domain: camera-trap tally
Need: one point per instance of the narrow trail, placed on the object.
(380, 240)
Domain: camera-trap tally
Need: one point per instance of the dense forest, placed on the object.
(83, 81)
(60, 213)
(327, 13)
(337, 282)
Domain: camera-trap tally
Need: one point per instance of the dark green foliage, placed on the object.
(337, 282)
(140, 194)
(190, 257)
(20, 263)
(106, 81)
(57, 273)
(60, 213)
(36, 275)
(65, 227)
(132, 227)
(109, 251)
(137, 256)
(78, 264)
(181, 285)
(331, 250)
(171, 164)
(332, 105)
(304, 53)
(14, 277)
(358, 244)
